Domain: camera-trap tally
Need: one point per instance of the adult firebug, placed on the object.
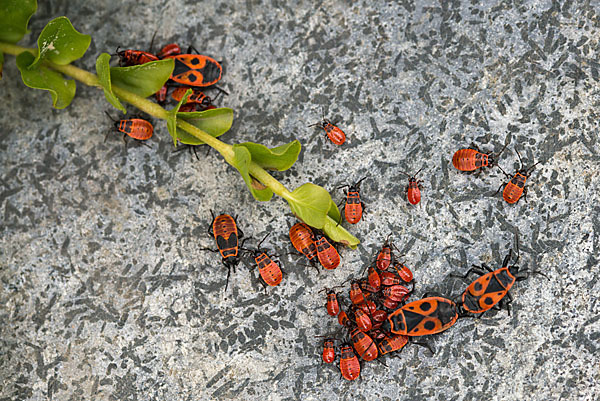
(426, 316)
(195, 70)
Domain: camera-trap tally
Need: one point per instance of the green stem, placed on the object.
(157, 111)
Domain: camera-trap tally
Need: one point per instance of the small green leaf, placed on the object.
(14, 17)
(61, 89)
(310, 203)
(172, 117)
(60, 43)
(241, 161)
(214, 122)
(339, 234)
(280, 158)
(334, 212)
(103, 71)
(143, 80)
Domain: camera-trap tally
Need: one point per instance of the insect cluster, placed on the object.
(472, 159)
(192, 71)
(377, 320)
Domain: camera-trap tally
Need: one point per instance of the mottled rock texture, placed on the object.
(105, 293)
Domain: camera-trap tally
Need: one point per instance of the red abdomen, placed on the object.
(226, 235)
(302, 238)
(335, 134)
(269, 270)
(136, 128)
(327, 254)
(413, 193)
(514, 189)
(353, 209)
(469, 160)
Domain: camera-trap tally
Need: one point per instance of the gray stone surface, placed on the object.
(105, 293)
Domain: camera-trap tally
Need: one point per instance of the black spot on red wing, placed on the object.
(488, 301)
(425, 306)
(195, 61)
(192, 77)
(429, 325)
(477, 286)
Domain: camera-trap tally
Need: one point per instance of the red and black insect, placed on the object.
(356, 294)
(171, 49)
(227, 234)
(136, 128)
(349, 364)
(303, 240)
(332, 305)
(343, 319)
(269, 270)
(196, 96)
(396, 293)
(413, 190)
(403, 272)
(328, 350)
(334, 134)
(472, 159)
(364, 345)
(161, 95)
(328, 256)
(374, 278)
(516, 186)
(385, 255)
(195, 70)
(129, 58)
(354, 207)
(423, 317)
(394, 343)
(363, 321)
(493, 286)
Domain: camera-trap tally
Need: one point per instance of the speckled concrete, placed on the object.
(105, 293)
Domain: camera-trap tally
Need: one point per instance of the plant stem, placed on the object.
(157, 111)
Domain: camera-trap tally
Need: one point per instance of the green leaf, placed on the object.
(61, 89)
(143, 80)
(14, 17)
(103, 71)
(241, 161)
(60, 43)
(334, 212)
(310, 203)
(339, 234)
(214, 122)
(172, 117)
(280, 158)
